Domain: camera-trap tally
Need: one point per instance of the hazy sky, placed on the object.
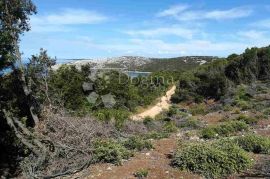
(153, 28)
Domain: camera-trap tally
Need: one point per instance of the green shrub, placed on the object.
(227, 108)
(147, 120)
(209, 133)
(142, 173)
(110, 151)
(247, 119)
(254, 143)
(170, 127)
(172, 111)
(211, 160)
(119, 116)
(157, 135)
(191, 123)
(137, 143)
(225, 129)
(266, 111)
(198, 109)
(244, 105)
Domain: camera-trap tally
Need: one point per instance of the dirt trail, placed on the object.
(156, 161)
(163, 104)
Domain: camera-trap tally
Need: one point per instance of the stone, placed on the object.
(87, 86)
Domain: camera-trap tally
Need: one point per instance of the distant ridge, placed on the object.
(142, 63)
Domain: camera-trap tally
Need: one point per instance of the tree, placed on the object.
(14, 21)
(37, 72)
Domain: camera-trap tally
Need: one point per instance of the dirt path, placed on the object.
(156, 162)
(163, 104)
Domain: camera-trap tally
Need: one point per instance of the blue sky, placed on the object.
(152, 28)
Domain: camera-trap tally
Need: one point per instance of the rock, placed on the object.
(109, 168)
(196, 138)
(87, 86)
(178, 134)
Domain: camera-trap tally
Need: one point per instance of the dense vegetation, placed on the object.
(213, 160)
(176, 64)
(218, 78)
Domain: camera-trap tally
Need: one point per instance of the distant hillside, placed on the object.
(145, 64)
(175, 64)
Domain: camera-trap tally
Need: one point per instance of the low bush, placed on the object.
(157, 135)
(209, 133)
(247, 119)
(225, 129)
(137, 143)
(213, 160)
(198, 109)
(172, 111)
(170, 127)
(191, 123)
(244, 105)
(142, 173)
(254, 143)
(110, 151)
(147, 121)
(266, 111)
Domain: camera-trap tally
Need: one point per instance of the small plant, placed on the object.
(227, 108)
(142, 173)
(157, 135)
(247, 119)
(191, 123)
(137, 143)
(198, 109)
(209, 133)
(213, 160)
(110, 151)
(170, 127)
(147, 121)
(254, 143)
(172, 111)
(225, 129)
(244, 105)
(266, 111)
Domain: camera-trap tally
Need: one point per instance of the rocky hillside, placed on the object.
(143, 63)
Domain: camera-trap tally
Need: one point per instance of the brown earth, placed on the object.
(156, 161)
(163, 104)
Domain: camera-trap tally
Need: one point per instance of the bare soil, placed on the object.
(163, 104)
(156, 161)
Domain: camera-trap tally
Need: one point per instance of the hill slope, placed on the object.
(133, 63)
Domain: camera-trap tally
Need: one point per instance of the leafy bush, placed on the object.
(137, 143)
(225, 129)
(213, 160)
(147, 121)
(266, 111)
(198, 109)
(209, 133)
(244, 105)
(157, 135)
(119, 116)
(170, 127)
(254, 143)
(191, 123)
(110, 151)
(247, 119)
(172, 111)
(142, 173)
